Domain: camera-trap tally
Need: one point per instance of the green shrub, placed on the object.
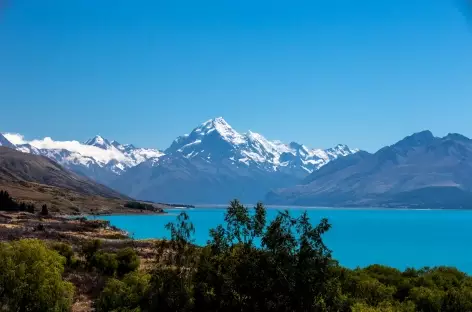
(105, 263)
(66, 251)
(89, 248)
(31, 278)
(126, 295)
(128, 261)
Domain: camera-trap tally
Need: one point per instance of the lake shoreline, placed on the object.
(358, 236)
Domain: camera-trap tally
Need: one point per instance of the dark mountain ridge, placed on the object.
(420, 170)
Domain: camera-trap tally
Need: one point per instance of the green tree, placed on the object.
(427, 299)
(31, 278)
(172, 280)
(290, 271)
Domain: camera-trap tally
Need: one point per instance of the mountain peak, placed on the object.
(98, 141)
(457, 137)
(223, 128)
(416, 139)
(216, 122)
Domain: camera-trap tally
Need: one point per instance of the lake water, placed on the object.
(359, 237)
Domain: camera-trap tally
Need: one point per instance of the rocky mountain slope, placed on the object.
(419, 171)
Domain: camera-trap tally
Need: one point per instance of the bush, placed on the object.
(66, 251)
(140, 206)
(126, 295)
(128, 261)
(31, 278)
(89, 248)
(105, 263)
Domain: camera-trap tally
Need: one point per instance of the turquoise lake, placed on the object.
(359, 237)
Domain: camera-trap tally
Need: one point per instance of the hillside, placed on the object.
(20, 167)
(419, 171)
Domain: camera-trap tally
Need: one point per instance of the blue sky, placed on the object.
(364, 73)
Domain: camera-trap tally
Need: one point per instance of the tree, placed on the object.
(7, 203)
(172, 281)
(44, 210)
(289, 271)
(31, 208)
(31, 278)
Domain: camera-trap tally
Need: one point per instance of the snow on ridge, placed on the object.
(94, 151)
(100, 155)
(223, 128)
(253, 148)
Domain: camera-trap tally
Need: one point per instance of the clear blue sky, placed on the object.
(365, 73)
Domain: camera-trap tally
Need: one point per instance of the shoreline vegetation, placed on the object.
(96, 266)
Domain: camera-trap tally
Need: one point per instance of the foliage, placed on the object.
(128, 261)
(8, 204)
(125, 295)
(140, 206)
(90, 248)
(172, 281)
(44, 210)
(105, 263)
(31, 278)
(251, 264)
(66, 251)
(110, 264)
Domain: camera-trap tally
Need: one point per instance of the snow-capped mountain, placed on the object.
(215, 163)
(96, 158)
(216, 140)
(212, 164)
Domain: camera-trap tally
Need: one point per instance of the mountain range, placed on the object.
(212, 164)
(421, 171)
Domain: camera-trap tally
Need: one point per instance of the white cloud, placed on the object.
(97, 153)
(100, 155)
(15, 138)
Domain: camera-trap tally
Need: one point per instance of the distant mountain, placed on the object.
(20, 168)
(4, 142)
(212, 164)
(215, 163)
(419, 171)
(215, 140)
(97, 158)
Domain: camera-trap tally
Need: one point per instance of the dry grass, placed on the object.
(68, 202)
